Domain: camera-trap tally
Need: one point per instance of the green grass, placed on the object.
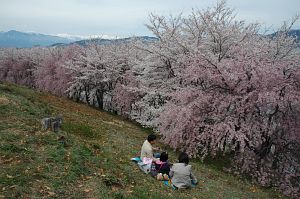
(81, 130)
(90, 156)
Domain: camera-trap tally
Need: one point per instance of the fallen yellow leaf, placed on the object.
(8, 176)
(51, 193)
(87, 190)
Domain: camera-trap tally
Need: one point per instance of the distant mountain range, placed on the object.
(109, 41)
(293, 33)
(18, 39)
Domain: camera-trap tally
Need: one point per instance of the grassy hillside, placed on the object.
(93, 159)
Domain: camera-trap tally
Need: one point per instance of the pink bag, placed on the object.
(145, 165)
(147, 160)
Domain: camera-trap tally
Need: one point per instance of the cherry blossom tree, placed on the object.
(237, 94)
(17, 65)
(96, 70)
(125, 94)
(50, 75)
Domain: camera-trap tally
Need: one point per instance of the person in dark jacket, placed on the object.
(161, 168)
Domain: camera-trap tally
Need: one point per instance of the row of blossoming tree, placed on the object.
(210, 84)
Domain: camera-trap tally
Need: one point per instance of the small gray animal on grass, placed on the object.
(52, 123)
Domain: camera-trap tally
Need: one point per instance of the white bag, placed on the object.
(146, 168)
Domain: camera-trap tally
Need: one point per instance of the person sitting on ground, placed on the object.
(147, 149)
(181, 173)
(161, 168)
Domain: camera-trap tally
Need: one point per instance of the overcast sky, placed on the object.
(125, 17)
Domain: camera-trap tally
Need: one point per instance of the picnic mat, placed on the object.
(146, 169)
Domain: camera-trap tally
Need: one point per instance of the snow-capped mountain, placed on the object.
(18, 39)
